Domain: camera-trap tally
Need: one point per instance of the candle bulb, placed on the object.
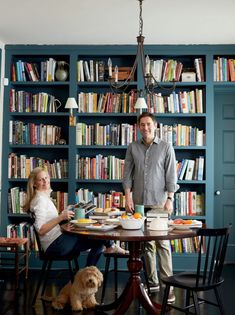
(147, 65)
(110, 67)
(116, 74)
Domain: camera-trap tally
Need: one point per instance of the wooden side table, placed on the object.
(19, 248)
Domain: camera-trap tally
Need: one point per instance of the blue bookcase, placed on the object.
(123, 56)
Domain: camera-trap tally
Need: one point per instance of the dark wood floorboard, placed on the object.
(18, 302)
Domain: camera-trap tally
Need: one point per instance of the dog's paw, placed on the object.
(89, 304)
(77, 308)
(57, 305)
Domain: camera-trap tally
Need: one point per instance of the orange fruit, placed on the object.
(124, 216)
(178, 221)
(187, 221)
(137, 215)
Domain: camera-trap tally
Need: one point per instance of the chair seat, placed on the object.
(46, 256)
(19, 249)
(117, 255)
(185, 280)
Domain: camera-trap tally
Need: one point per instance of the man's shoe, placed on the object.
(171, 297)
(153, 287)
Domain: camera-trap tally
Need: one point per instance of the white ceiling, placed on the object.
(116, 21)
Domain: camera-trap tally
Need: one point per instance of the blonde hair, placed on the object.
(31, 191)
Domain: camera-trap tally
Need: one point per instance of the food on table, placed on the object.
(124, 216)
(137, 215)
(84, 220)
(181, 221)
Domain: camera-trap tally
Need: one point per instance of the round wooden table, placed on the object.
(134, 288)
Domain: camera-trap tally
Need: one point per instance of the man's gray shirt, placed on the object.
(150, 171)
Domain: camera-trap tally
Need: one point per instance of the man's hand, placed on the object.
(129, 205)
(169, 206)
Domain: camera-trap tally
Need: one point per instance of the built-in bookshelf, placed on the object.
(87, 159)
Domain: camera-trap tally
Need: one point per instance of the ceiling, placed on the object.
(116, 21)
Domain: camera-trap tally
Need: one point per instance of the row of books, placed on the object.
(185, 245)
(20, 166)
(182, 102)
(17, 199)
(189, 169)
(60, 199)
(189, 203)
(92, 70)
(99, 167)
(181, 135)
(31, 133)
(28, 71)
(171, 70)
(22, 101)
(22, 230)
(102, 200)
(164, 70)
(93, 102)
(198, 63)
(112, 134)
(224, 69)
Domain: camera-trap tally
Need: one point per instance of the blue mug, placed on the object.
(139, 209)
(79, 213)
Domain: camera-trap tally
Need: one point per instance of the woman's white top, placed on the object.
(45, 210)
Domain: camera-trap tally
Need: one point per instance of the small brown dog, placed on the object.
(81, 293)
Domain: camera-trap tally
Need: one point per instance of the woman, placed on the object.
(47, 221)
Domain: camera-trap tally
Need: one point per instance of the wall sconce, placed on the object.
(71, 104)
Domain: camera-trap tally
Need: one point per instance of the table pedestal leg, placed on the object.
(134, 288)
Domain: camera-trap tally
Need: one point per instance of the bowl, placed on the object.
(132, 223)
(159, 224)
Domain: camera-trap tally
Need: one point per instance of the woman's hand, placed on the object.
(66, 215)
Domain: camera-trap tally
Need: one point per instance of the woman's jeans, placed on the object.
(66, 244)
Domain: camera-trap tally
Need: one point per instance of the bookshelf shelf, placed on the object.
(38, 83)
(99, 181)
(39, 146)
(97, 147)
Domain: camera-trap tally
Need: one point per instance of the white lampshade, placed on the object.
(71, 103)
(141, 103)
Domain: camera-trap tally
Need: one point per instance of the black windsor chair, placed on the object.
(207, 276)
(47, 263)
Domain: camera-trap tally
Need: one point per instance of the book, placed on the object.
(87, 71)
(189, 170)
(200, 168)
(183, 169)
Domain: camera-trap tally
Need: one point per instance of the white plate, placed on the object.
(186, 226)
(110, 213)
(102, 228)
(113, 221)
(166, 230)
(83, 223)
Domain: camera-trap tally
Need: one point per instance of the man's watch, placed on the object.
(170, 198)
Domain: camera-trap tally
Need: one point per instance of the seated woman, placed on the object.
(47, 220)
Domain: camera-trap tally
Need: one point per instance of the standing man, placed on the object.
(150, 179)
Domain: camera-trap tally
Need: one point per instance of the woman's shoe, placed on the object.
(115, 249)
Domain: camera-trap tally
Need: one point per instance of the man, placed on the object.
(150, 179)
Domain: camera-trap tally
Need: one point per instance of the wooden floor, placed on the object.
(19, 302)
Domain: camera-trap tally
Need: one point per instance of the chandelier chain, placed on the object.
(141, 23)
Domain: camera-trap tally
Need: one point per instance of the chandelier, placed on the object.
(151, 85)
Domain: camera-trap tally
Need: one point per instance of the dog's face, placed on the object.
(89, 278)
